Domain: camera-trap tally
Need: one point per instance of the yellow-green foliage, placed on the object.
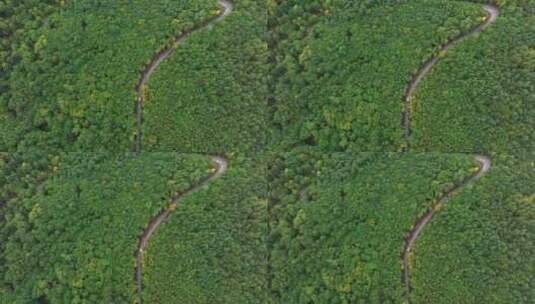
(337, 235)
(73, 239)
(479, 247)
(210, 95)
(339, 77)
(71, 80)
(479, 97)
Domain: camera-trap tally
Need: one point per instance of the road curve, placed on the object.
(484, 165)
(159, 57)
(484, 161)
(221, 165)
(220, 162)
(492, 15)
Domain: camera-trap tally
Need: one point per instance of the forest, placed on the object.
(73, 241)
(214, 245)
(488, 105)
(337, 237)
(211, 93)
(275, 163)
(321, 95)
(75, 64)
(479, 250)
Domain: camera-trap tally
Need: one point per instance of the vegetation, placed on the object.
(319, 90)
(210, 94)
(18, 25)
(74, 240)
(475, 100)
(339, 80)
(480, 248)
(82, 65)
(339, 221)
(487, 105)
(212, 249)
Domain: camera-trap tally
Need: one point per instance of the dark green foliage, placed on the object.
(329, 74)
(210, 95)
(339, 221)
(74, 240)
(212, 249)
(339, 80)
(480, 97)
(479, 100)
(20, 23)
(480, 249)
(73, 85)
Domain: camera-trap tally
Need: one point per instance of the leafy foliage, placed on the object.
(212, 248)
(211, 93)
(339, 81)
(74, 240)
(488, 105)
(480, 248)
(324, 76)
(339, 221)
(20, 22)
(72, 87)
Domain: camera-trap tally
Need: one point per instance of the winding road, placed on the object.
(492, 15)
(221, 167)
(220, 162)
(484, 166)
(483, 161)
(158, 58)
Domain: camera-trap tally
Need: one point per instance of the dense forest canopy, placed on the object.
(73, 240)
(338, 221)
(81, 65)
(488, 106)
(211, 93)
(304, 101)
(480, 248)
(321, 97)
(213, 249)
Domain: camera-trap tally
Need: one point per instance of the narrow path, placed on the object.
(158, 58)
(492, 15)
(221, 167)
(484, 166)
(484, 161)
(220, 162)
